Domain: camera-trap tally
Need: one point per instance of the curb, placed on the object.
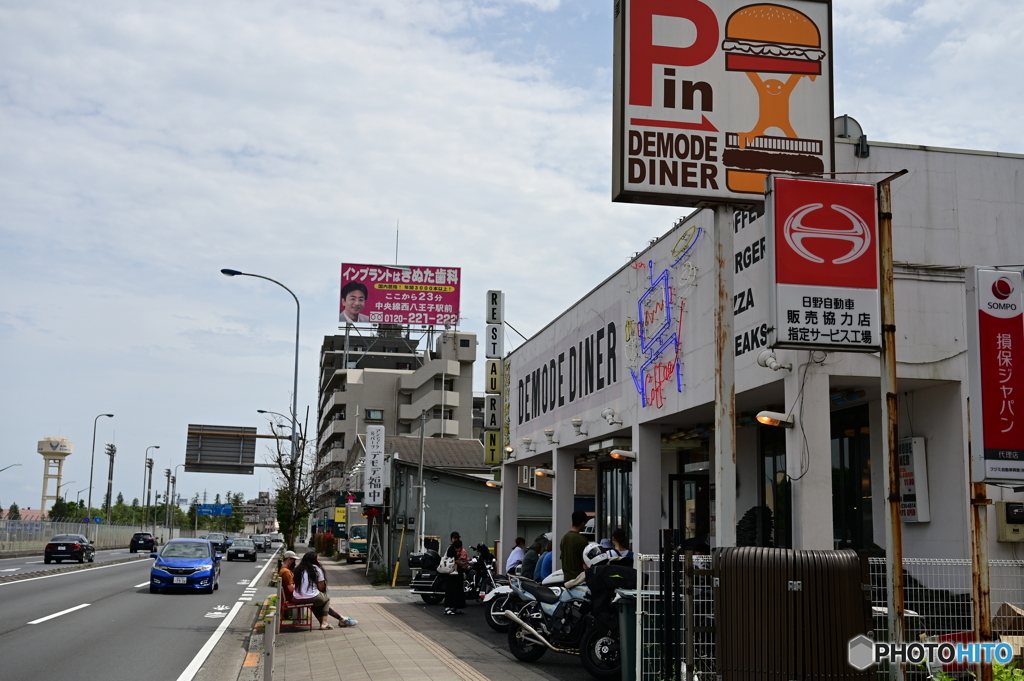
(70, 568)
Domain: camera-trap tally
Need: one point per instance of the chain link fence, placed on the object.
(22, 536)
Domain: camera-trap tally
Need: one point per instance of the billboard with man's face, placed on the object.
(711, 97)
(399, 294)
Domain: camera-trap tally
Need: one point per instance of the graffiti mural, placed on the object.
(654, 336)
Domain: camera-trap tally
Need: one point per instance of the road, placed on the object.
(109, 626)
(20, 566)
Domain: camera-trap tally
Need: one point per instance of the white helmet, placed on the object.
(593, 555)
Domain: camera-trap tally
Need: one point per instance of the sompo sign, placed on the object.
(709, 99)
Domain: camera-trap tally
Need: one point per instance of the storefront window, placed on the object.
(851, 479)
(615, 498)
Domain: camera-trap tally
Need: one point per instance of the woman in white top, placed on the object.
(311, 587)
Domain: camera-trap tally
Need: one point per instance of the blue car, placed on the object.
(189, 564)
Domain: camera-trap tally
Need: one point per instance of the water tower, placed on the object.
(53, 450)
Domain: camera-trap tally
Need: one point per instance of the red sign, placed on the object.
(398, 294)
(826, 233)
(1000, 353)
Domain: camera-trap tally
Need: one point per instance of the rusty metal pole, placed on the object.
(725, 383)
(979, 560)
(890, 416)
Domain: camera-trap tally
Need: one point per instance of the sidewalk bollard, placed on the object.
(269, 634)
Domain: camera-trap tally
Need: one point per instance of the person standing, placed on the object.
(515, 557)
(454, 595)
(571, 547)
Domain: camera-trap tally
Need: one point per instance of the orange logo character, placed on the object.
(771, 39)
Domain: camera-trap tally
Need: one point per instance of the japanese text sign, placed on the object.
(823, 265)
(995, 311)
(712, 96)
(392, 294)
(374, 483)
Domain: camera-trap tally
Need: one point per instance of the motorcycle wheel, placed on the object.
(599, 652)
(523, 649)
(432, 599)
(494, 613)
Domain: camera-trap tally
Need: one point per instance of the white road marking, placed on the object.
(139, 586)
(10, 570)
(245, 599)
(58, 614)
(197, 662)
(215, 615)
(34, 562)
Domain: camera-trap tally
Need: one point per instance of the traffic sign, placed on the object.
(86, 520)
(97, 520)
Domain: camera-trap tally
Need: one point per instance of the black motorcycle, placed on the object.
(429, 584)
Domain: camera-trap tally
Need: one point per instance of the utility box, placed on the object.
(1009, 521)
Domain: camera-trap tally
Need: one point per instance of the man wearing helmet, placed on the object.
(572, 545)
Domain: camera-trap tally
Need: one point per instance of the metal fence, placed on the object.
(937, 598)
(29, 535)
(695, 613)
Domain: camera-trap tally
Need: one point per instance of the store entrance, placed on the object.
(689, 510)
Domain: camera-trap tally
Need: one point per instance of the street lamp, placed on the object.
(11, 466)
(92, 461)
(295, 381)
(63, 485)
(78, 494)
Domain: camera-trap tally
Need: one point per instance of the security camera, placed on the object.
(766, 358)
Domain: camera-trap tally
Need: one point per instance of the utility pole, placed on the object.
(419, 505)
(149, 493)
(174, 500)
(111, 451)
(167, 497)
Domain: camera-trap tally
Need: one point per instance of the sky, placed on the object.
(145, 146)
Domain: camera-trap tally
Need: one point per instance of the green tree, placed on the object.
(301, 484)
(14, 513)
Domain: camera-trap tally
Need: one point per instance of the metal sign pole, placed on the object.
(725, 383)
(890, 415)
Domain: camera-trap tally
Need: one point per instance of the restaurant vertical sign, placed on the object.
(995, 326)
(374, 483)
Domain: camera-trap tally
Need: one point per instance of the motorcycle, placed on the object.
(547, 618)
(429, 584)
(498, 599)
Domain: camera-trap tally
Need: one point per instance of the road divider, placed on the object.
(58, 614)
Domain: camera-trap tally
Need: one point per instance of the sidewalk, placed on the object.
(394, 641)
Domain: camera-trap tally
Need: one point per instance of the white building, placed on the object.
(823, 478)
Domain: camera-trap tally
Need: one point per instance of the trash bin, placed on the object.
(625, 600)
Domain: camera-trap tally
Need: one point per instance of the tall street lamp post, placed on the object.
(295, 382)
(78, 495)
(92, 460)
(11, 466)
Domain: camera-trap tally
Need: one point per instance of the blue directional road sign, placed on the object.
(97, 520)
(214, 509)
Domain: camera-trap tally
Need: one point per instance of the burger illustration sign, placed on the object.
(711, 97)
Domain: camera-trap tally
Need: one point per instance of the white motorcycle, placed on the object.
(497, 600)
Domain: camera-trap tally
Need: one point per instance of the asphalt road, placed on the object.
(557, 665)
(104, 624)
(20, 566)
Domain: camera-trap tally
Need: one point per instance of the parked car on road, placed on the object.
(243, 549)
(142, 541)
(190, 564)
(69, 547)
(219, 541)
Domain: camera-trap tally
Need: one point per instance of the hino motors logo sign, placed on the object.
(823, 259)
(858, 235)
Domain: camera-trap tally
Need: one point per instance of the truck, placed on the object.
(357, 535)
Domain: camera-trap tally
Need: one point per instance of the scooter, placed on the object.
(498, 599)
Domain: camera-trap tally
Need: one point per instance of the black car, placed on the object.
(69, 547)
(219, 541)
(243, 549)
(262, 541)
(142, 541)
